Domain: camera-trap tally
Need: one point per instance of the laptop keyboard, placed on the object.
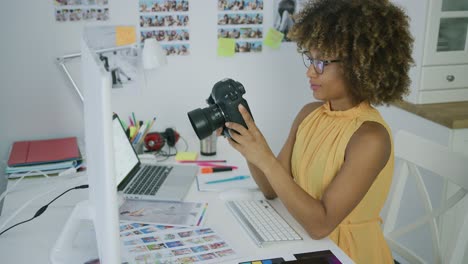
(149, 180)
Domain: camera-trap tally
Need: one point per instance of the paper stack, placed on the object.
(36, 157)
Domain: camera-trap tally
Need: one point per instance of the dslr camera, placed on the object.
(223, 106)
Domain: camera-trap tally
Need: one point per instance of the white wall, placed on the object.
(38, 102)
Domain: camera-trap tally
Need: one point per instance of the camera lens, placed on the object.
(205, 121)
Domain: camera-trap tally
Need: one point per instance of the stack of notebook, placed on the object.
(38, 157)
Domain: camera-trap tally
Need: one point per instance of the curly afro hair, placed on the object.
(372, 39)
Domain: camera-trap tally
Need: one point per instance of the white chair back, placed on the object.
(445, 215)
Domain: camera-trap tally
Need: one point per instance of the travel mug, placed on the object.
(208, 145)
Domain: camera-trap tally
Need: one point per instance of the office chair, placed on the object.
(438, 179)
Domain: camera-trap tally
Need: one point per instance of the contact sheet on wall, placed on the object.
(241, 21)
(167, 21)
(81, 10)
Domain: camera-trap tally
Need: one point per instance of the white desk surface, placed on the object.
(31, 242)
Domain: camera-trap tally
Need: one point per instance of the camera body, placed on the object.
(223, 102)
(227, 95)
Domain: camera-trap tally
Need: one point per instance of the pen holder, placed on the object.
(208, 145)
(139, 148)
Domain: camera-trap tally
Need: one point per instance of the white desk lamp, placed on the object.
(153, 56)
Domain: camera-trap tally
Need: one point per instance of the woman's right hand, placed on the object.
(219, 131)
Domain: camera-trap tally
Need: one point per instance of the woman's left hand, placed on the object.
(250, 141)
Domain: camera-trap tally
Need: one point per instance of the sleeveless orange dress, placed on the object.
(318, 155)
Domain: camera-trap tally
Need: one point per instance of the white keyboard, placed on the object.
(261, 221)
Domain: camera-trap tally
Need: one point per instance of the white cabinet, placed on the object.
(440, 30)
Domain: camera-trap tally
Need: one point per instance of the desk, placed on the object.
(31, 242)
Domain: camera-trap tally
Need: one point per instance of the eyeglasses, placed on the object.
(319, 65)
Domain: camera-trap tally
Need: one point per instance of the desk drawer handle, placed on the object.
(450, 78)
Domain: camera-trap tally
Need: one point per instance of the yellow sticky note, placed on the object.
(273, 38)
(186, 156)
(125, 35)
(226, 47)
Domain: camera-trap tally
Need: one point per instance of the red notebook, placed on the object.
(44, 151)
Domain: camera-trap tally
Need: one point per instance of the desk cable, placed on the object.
(41, 210)
(10, 189)
(168, 154)
(23, 175)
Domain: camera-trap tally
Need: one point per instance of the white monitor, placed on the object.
(102, 206)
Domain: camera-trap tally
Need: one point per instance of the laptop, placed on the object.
(167, 182)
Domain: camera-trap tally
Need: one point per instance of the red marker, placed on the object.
(212, 170)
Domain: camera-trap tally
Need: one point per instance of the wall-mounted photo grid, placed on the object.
(81, 10)
(242, 20)
(167, 21)
(152, 243)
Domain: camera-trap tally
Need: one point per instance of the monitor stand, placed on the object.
(66, 248)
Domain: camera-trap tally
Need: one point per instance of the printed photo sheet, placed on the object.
(146, 243)
(163, 212)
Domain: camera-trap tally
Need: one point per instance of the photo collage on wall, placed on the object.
(167, 21)
(81, 10)
(241, 20)
(153, 243)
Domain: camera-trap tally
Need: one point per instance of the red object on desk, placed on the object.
(44, 151)
(212, 170)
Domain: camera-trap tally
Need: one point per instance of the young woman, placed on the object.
(335, 169)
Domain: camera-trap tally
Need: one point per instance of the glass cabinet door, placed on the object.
(452, 34)
(454, 5)
(447, 39)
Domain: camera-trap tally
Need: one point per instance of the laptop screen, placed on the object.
(125, 157)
